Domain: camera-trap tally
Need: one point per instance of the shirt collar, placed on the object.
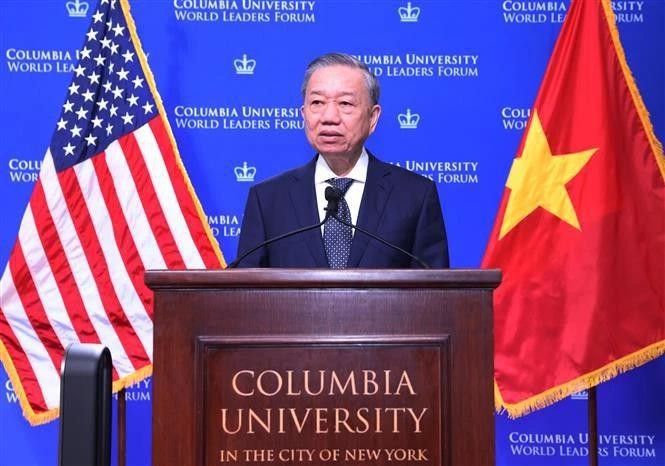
(358, 173)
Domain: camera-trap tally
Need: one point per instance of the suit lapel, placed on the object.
(303, 200)
(373, 203)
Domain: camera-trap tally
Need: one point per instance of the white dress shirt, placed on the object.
(353, 196)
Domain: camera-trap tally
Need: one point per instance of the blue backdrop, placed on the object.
(458, 79)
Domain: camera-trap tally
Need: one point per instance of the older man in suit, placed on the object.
(341, 109)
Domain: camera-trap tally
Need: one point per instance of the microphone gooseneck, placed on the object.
(383, 241)
(333, 195)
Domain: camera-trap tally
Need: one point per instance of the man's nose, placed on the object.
(330, 114)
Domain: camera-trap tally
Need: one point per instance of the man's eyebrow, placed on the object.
(341, 94)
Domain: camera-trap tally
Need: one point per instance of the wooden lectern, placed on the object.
(323, 367)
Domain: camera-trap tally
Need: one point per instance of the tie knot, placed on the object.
(343, 184)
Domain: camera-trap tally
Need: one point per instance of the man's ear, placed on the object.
(374, 114)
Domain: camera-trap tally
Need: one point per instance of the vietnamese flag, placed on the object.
(580, 232)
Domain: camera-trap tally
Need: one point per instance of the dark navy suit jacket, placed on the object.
(399, 206)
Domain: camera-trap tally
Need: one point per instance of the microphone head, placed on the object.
(333, 195)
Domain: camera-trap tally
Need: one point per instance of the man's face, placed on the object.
(337, 111)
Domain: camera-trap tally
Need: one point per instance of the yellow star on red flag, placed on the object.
(538, 179)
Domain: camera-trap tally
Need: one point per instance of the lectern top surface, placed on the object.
(324, 278)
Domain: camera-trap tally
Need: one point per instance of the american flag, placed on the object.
(111, 201)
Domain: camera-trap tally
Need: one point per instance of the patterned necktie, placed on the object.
(337, 236)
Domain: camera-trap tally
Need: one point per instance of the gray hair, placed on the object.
(343, 59)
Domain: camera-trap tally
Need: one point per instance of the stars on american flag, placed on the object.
(108, 96)
(118, 30)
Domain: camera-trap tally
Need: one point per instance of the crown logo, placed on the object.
(244, 66)
(77, 8)
(408, 13)
(245, 173)
(583, 395)
(408, 120)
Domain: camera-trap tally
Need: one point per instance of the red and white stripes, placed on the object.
(76, 270)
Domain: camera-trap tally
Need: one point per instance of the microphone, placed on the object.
(332, 196)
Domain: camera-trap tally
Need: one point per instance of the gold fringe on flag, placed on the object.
(583, 382)
(642, 111)
(33, 418)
